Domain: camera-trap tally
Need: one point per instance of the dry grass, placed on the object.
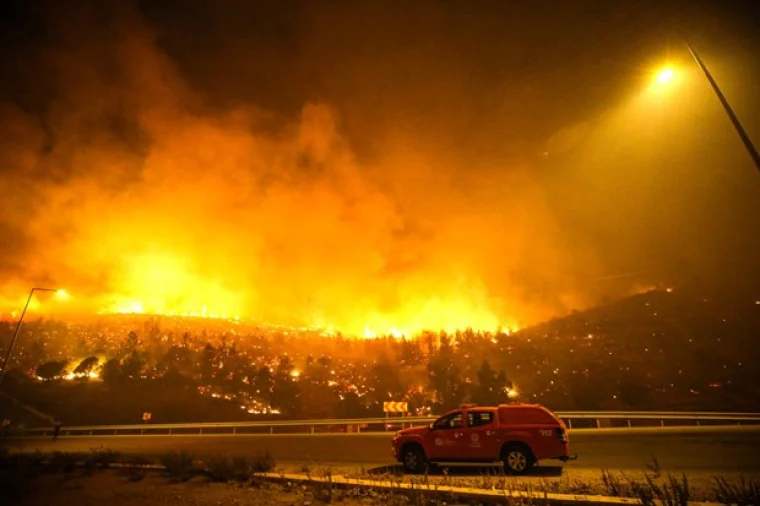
(650, 486)
(225, 468)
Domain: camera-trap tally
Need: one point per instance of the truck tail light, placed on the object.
(561, 434)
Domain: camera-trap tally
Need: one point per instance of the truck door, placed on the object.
(480, 441)
(445, 439)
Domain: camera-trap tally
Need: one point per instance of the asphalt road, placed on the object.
(713, 449)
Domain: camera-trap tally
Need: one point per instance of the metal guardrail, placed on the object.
(597, 418)
(696, 417)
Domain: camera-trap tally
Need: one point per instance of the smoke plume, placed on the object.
(140, 189)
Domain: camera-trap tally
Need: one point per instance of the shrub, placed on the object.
(654, 466)
(613, 485)
(263, 463)
(643, 492)
(674, 492)
(179, 464)
(29, 463)
(744, 493)
(63, 461)
(222, 468)
(137, 468)
(102, 456)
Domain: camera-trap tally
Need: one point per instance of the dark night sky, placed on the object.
(540, 64)
(475, 88)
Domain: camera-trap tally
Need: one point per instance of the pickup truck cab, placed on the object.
(519, 435)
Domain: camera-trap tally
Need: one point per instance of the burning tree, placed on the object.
(85, 367)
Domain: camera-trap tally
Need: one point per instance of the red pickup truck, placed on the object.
(519, 435)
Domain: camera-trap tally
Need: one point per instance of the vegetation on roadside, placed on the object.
(240, 468)
(103, 457)
(179, 465)
(19, 470)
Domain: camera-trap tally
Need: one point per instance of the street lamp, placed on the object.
(665, 75)
(748, 145)
(58, 291)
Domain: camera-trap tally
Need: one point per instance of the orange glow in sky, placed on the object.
(166, 199)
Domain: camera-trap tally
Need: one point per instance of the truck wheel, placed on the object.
(413, 460)
(518, 459)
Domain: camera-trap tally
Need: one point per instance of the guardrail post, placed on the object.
(598, 424)
(569, 423)
(312, 429)
(358, 428)
(271, 429)
(200, 431)
(234, 430)
(629, 423)
(170, 432)
(662, 423)
(91, 432)
(142, 431)
(115, 431)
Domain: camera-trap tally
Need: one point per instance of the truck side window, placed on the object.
(479, 418)
(453, 421)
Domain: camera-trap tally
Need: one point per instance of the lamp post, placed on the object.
(748, 145)
(18, 327)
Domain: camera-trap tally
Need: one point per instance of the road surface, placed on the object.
(707, 449)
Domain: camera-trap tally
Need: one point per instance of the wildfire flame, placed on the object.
(165, 283)
(161, 283)
(194, 208)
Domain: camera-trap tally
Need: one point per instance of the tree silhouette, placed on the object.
(384, 384)
(33, 354)
(490, 390)
(410, 353)
(51, 370)
(318, 398)
(131, 343)
(175, 380)
(86, 366)
(445, 376)
(261, 384)
(351, 406)
(286, 395)
(132, 366)
(178, 358)
(206, 363)
(112, 373)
